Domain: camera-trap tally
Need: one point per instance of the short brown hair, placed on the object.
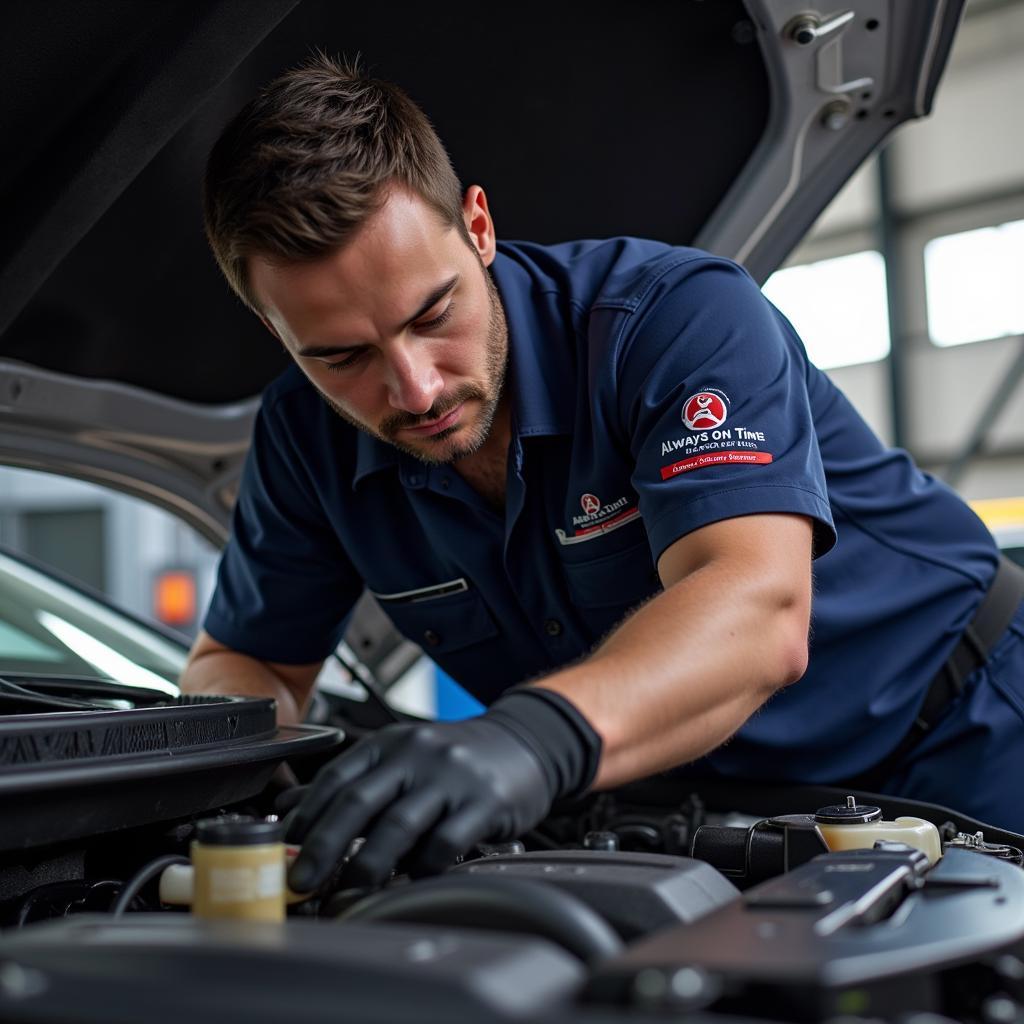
(303, 165)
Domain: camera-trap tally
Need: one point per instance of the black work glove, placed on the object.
(433, 790)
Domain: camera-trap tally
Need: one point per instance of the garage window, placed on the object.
(972, 281)
(838, 306)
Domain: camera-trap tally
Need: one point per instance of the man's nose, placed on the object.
(413, 380)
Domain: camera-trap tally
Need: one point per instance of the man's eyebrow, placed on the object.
(433, 298)
(316, 351)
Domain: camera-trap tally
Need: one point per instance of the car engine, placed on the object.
(676, 898)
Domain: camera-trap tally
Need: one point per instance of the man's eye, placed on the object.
(344, 364)
(438, 321)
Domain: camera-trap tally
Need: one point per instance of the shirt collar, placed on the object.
(372, 455)
(541, 376)
(541, 373)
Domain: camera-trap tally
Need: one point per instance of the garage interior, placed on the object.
(907, 290)
(945, 381)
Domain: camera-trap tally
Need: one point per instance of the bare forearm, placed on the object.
(683, 673)
(227, 672)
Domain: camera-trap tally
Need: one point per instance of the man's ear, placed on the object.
(477, 218)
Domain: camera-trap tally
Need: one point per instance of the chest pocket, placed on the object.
(604, 589)
(443, 619)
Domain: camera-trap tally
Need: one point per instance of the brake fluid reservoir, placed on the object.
(238, 869)
(853, 826)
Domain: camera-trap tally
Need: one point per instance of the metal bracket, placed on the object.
(829, 77)
(806, 29)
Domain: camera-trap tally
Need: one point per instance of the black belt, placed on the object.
(976, 642)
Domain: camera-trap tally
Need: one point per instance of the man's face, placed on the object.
(402, 330)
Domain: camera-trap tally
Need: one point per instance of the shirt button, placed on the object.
(415, 480)
(444, 483)
(553, 627)
(430, 638)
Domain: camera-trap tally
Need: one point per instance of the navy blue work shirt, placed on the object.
(654, 391)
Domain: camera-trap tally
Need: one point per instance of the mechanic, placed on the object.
(590, 479)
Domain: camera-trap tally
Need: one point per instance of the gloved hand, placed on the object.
(434, 789)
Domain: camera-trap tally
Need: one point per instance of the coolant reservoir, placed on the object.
(238, 869)
(177, 883)
(853, 826)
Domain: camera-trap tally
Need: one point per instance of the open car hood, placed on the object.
(124, 358)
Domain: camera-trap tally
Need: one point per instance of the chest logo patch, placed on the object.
(598, 518)
(706, 410)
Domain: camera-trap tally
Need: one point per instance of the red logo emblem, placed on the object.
(591, 504)
(704, 411)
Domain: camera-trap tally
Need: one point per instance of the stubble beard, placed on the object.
(458, 441)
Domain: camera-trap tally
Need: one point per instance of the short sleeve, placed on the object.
(714, 401)
(285, 586)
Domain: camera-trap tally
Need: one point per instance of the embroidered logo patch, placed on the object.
(598, 518)
(705, 410)
(710, 443)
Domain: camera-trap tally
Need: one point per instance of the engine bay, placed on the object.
(677, 898)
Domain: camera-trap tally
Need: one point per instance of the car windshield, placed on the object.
(51, 628)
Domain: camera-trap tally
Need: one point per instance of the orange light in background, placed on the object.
(174, 597)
